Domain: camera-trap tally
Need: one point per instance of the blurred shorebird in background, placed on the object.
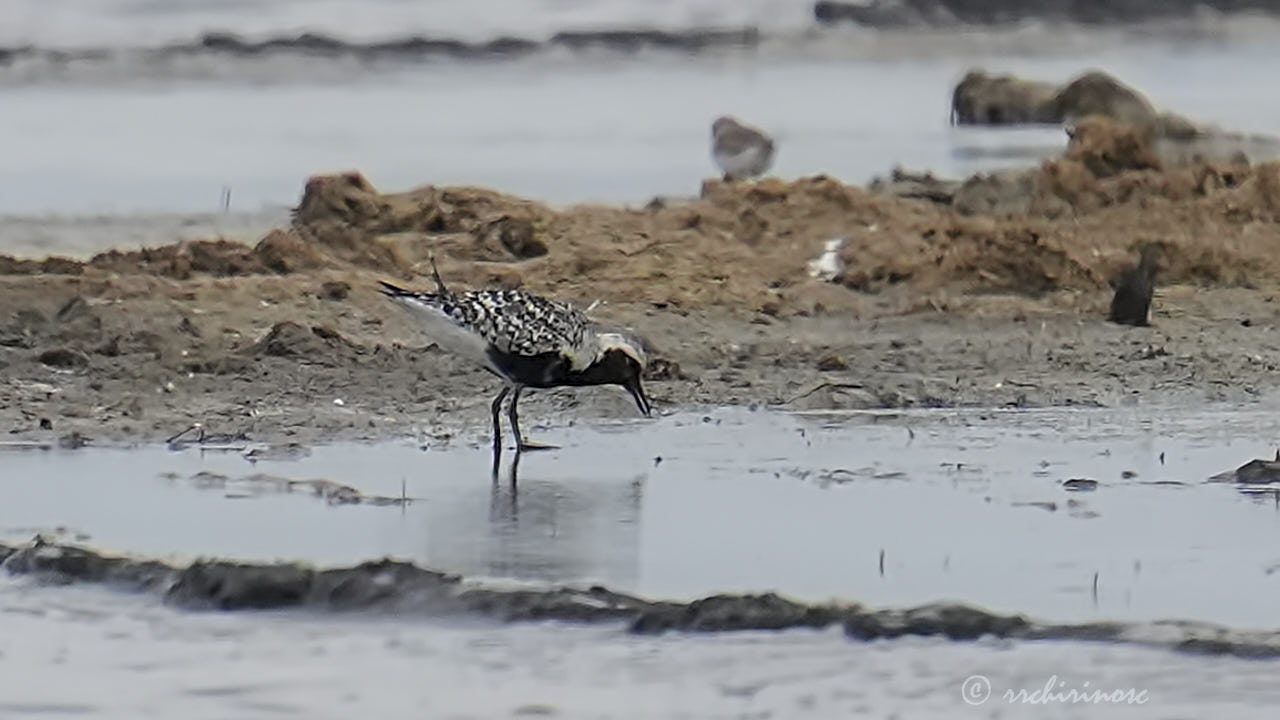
(740, 151)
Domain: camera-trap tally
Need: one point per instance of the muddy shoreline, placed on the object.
(391, 586)
(144, 368)
(921, 304)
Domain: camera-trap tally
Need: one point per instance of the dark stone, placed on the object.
(65, 358)
(734, 612)
(335, 290)
(232, 586)
(832, 362)
(1259, 472)
(1134, 287)
(554, 604)
(663, 369)
(189, 328)
(957, 622)
(291, 340)
(371, 583)
(66, 564)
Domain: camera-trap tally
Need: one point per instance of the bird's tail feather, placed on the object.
(395, 291)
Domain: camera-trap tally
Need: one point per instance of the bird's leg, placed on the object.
(497, 426)
(512, 478)
(513, 415)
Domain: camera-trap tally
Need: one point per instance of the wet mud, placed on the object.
(803, 295)
(388, 585)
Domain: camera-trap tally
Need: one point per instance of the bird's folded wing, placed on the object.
(519, 323)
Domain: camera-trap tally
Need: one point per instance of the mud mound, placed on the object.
(1108, 147)
(10, 265)
(982, 99)
(347, 217)
(405, 587)
(1063, 227)
(978, 256)
(180, 261)
(1097, 93)
(750, 245)
(279, 252)
(284, 252)
(317, 344)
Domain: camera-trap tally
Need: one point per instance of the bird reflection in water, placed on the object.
(546, 529)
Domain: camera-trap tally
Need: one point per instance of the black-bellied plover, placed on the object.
(740, 151)
(1134, 286)
(527, 341)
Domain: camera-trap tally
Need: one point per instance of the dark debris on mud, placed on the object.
(390, 585)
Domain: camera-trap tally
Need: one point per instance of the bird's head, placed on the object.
(621, 361)
(722, 124)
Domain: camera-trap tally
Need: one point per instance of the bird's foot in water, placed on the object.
(527, 445)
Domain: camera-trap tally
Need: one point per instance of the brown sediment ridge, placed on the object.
(986, 292)
(389, 585)
(1064, 227)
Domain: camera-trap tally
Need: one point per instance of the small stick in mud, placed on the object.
(193, 426)
(435, 275)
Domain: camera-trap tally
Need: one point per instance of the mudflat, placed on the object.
(920, 302)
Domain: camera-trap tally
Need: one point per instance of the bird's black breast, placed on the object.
(544, 370)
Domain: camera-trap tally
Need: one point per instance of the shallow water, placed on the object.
(741, 501)
(85, 652)
(94, 23)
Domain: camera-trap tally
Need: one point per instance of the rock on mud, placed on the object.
(64, 358)
(317, 344)
(1255, 472)
(982, 99)
(720, 613)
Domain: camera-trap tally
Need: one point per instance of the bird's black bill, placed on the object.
(634, 387)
